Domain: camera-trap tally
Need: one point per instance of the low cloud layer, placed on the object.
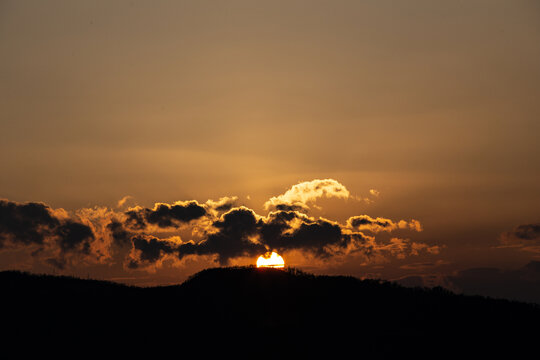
(220, 229)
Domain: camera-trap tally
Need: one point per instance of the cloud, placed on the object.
(148, 250)
(74, 236)
(28, 223)
(223, 204)
(292, 230)
(36, 224)
(524, 232)
(412, 225)
(123, 201)
(221, 230)
(241, 232)
(526, 237)
(401, 248)
(233, 235)
(299, 195)
(375, 225)
(165, 215)
(120, 235)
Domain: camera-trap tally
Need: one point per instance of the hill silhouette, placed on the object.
(246, 311)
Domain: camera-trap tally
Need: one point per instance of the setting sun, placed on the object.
(271, 260)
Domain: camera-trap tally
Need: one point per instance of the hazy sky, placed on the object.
(434, 104)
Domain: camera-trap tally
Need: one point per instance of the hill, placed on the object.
(245, 311)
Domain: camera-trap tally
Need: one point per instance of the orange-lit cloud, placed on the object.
(375, 225)
(123, 201)
(299, 195)
(217, 229)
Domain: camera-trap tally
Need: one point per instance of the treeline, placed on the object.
(243, 310)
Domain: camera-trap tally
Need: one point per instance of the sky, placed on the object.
(396, 140)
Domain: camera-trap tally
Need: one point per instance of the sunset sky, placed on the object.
(370, 138)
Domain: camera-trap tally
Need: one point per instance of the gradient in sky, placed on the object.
(425, 112)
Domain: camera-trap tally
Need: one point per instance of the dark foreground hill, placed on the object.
(247, 312)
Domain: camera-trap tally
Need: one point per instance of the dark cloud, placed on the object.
(165, 215)
(288, 207)
(28, 223)
(366, 221)
(149, 250)
(136, 218)
(225, 205)
(221, 231)
(74, 236)
(232, 236)
(288, 230)
(527, 232)
(526, 237)
(119, 234)
(315, 237)
(34, 223)
(240, 232)
(235, 236)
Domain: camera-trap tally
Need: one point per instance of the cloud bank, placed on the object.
(220, 229)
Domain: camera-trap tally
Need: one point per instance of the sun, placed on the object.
(270, 260)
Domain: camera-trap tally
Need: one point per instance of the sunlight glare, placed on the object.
(271, 260)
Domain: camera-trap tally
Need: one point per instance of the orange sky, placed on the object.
(432, 104)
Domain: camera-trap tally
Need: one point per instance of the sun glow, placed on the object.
(271, 260)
